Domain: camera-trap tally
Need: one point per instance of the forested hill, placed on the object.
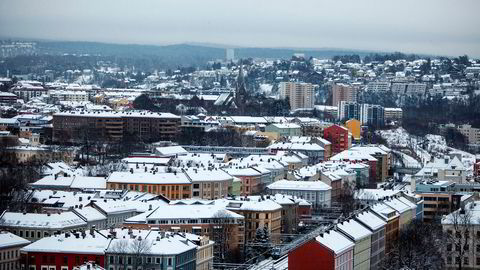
(183, 54)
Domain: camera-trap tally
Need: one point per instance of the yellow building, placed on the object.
(353, 126)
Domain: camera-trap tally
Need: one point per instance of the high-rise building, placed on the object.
(371, 114)
(300, 95)
(343, 92)
(348, 110)
(230, 54)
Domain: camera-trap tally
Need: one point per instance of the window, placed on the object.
(465, 261)
(169, 262)
(65, 260)
(449, 247)
(157, 260)
(477, 261)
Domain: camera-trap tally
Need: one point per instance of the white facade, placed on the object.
(315, 192)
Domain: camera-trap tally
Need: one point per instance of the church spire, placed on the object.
(240, 91)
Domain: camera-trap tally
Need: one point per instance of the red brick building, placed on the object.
(476, 166)
(339, 137)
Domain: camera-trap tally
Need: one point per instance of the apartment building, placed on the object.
(393, 114)
(114, 125)
(348, 110)
(315, 192)
(362, 237)
(33, 226)
(378, 86)
(212, 220)
(462, 229)
(300, 95)
(373, 115)
(68, 95)
(209, 184)
(330, 250)
(377, 226)
(172, 185)
(409, 88)
(471, 134)
(342, 92)
(259, 212)
(339, 137)
(392, 218)
(10, 245)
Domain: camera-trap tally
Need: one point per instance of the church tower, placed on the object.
(240, 90)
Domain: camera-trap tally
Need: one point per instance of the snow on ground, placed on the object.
(425, 147)
(408, 160)
(266, 88)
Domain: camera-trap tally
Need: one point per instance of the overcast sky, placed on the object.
(447, 27)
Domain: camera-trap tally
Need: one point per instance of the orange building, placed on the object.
(353, 126)
(173, 185)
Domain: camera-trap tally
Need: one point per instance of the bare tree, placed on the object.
(130, 251)
(221, 234)
(460, 239)
(418, 246)
(139, 248)
(347, 198)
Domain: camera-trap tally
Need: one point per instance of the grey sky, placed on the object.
(449, 27)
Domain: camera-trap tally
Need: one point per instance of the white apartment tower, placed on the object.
(300, 95)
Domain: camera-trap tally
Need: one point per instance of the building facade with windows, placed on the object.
(10, 245)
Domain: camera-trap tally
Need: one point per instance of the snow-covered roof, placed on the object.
(53, 181)
(169, 151)
(397, 205)
(111, 207)
(89, 214)
(202, 175)
(8, 240)
(374, 194)
(353, 155)
(286, 125)
(69, 243)
(257, 204)
(114, 114)
(296, 146)
(371, 150)
(147, 160)
(88, 182)
(159, 243)
(299, 185)
(384, 211)
(354, 229)
(169, 212)
(369, 219)
(335, 241)
(472, 210)
(60, 221)
(237, 171)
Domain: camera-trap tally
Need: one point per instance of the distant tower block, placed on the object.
(230, 54)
